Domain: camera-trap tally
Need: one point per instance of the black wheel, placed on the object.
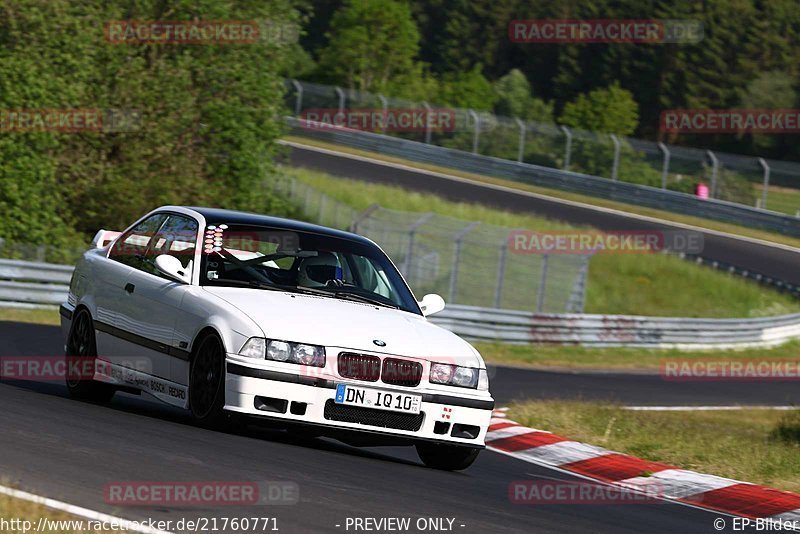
(446, 457)
(81, 354)
(207, 382)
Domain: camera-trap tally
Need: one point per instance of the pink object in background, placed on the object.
(701, 190)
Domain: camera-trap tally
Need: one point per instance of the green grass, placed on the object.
(621, 358)
(760, 446)
(11, 508)
(640, 284)
(48, 316)
(555, 193)
(782, 199)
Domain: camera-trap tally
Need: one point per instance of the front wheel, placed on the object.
(446, 457)
(207, 382)
(82, 349)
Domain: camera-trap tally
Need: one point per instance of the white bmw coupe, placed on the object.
(236, 315)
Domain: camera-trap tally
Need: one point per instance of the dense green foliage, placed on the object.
(208, 115)
(749, 56)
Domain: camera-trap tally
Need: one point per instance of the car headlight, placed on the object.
(455, 375)
(280, 351)
(309, 355)
(254, 348)
(284, 351)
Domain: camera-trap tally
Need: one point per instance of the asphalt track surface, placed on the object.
(69, 450)
(768, 260)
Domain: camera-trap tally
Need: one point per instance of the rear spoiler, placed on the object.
(103, 238)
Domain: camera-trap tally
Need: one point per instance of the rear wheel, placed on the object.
(207, 382)
(81, 354)
(446, 457)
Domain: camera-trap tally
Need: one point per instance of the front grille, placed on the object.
(372, 417)
(359, 366)
(401, 372)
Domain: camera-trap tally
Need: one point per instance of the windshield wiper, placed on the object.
(347, 295)
(246, 283)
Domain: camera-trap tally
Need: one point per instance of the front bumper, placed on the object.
(309, 400)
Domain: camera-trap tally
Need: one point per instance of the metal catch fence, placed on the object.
(752, 181)
(466, 262)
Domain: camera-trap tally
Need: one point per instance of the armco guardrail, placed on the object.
(617, 330)
(28, 283)
(25, 283)
(528, 173)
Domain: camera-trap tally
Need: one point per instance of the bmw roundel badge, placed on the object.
(379, 342)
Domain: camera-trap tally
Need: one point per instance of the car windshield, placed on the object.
(306, 262)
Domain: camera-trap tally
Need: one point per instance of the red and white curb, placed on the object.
(671, 483)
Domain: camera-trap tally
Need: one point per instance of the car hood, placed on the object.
(345, 324)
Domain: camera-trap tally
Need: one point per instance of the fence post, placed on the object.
(412, 230)
(765, 187)
(307, 201)
(336, 214)
(665, 165)
(615, 165)
(522, 130)
(476, 132)
(542, 284)
(298, 104)
(714, 169)
(427, 122)
(567, 146)
(451, 294)
(363, 216)
(501, 271)
(341, 99)
(322, 199)
(385, 112)
(578, 296)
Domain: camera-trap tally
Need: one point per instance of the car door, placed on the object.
(110, 275)
(150, 303)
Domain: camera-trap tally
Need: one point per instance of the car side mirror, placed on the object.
(171, 267)
(431, 303)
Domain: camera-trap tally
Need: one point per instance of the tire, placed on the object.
(446, 457)
(81, 345)
(207, 383)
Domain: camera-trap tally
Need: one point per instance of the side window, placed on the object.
(177, 237)
(131, 247)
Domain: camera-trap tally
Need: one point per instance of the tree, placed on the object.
(610, 110)
(370, 43)
(209, 116)
(469, 89)
(514, 99)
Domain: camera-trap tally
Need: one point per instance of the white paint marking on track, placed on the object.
(508, 432)
(678, 483)
(611, 211)
(133, 526)
(563, 452)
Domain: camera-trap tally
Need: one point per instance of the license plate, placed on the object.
(377, 399)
